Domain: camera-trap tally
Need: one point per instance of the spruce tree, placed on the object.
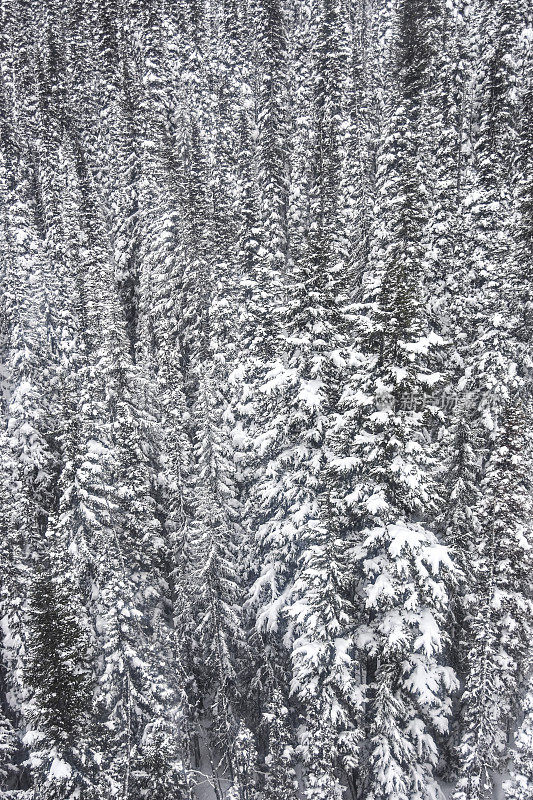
(58, 678)
(244, 766)
(9, 749)
(497, 367)
(385, 462)
(520, 784)
(280, 777)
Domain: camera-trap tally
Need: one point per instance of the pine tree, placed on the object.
(29, 459)
(159, 769)
(323, 649)
(58, 678)
(520, 784)
(272, 122)
(9, 749)
(321, 781)
(498, 627)
(214, 578)
(497, 368)
(384, 461)
(244, 766)
(460, 527)
(280, 778)
(325, 664)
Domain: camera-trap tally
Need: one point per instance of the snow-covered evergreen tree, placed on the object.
(9, 748)
(244, 766)
(280, 758)
(497, 371)
(520, 784)
(58, 679)
(385, 463)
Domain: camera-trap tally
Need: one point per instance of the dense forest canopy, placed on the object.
(266, 314)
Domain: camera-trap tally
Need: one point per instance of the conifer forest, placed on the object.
(266, 399)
